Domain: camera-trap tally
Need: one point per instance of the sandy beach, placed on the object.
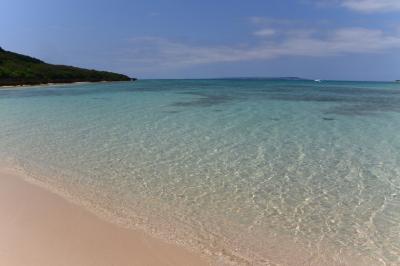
(27, 86)
(38, 227)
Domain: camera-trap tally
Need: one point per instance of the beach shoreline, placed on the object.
(5, 87)
(41, 228)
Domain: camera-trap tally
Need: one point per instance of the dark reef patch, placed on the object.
(362, 108)
(204, 100)
(101, 99)
(171, 112)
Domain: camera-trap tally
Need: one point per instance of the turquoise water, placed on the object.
(246, 171)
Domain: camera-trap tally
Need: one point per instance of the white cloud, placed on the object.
(367, 6)
(272, 21)
(265, 32)
(162, 53)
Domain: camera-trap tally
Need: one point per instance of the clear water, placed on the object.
(246, 171)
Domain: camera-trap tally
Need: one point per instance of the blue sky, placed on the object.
(324, 39)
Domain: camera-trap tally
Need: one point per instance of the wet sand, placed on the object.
(38, 227)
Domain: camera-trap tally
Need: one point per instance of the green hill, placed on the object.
(17, 69)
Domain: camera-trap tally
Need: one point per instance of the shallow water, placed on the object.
(247, 171)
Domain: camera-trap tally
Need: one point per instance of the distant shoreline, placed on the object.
(23, 86)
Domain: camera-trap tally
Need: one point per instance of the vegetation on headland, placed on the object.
(17, 69)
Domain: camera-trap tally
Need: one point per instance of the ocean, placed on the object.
(246, 171)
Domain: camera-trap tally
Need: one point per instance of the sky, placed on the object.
(318, 39)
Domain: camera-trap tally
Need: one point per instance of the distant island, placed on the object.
(267, 78)
(17, 69)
